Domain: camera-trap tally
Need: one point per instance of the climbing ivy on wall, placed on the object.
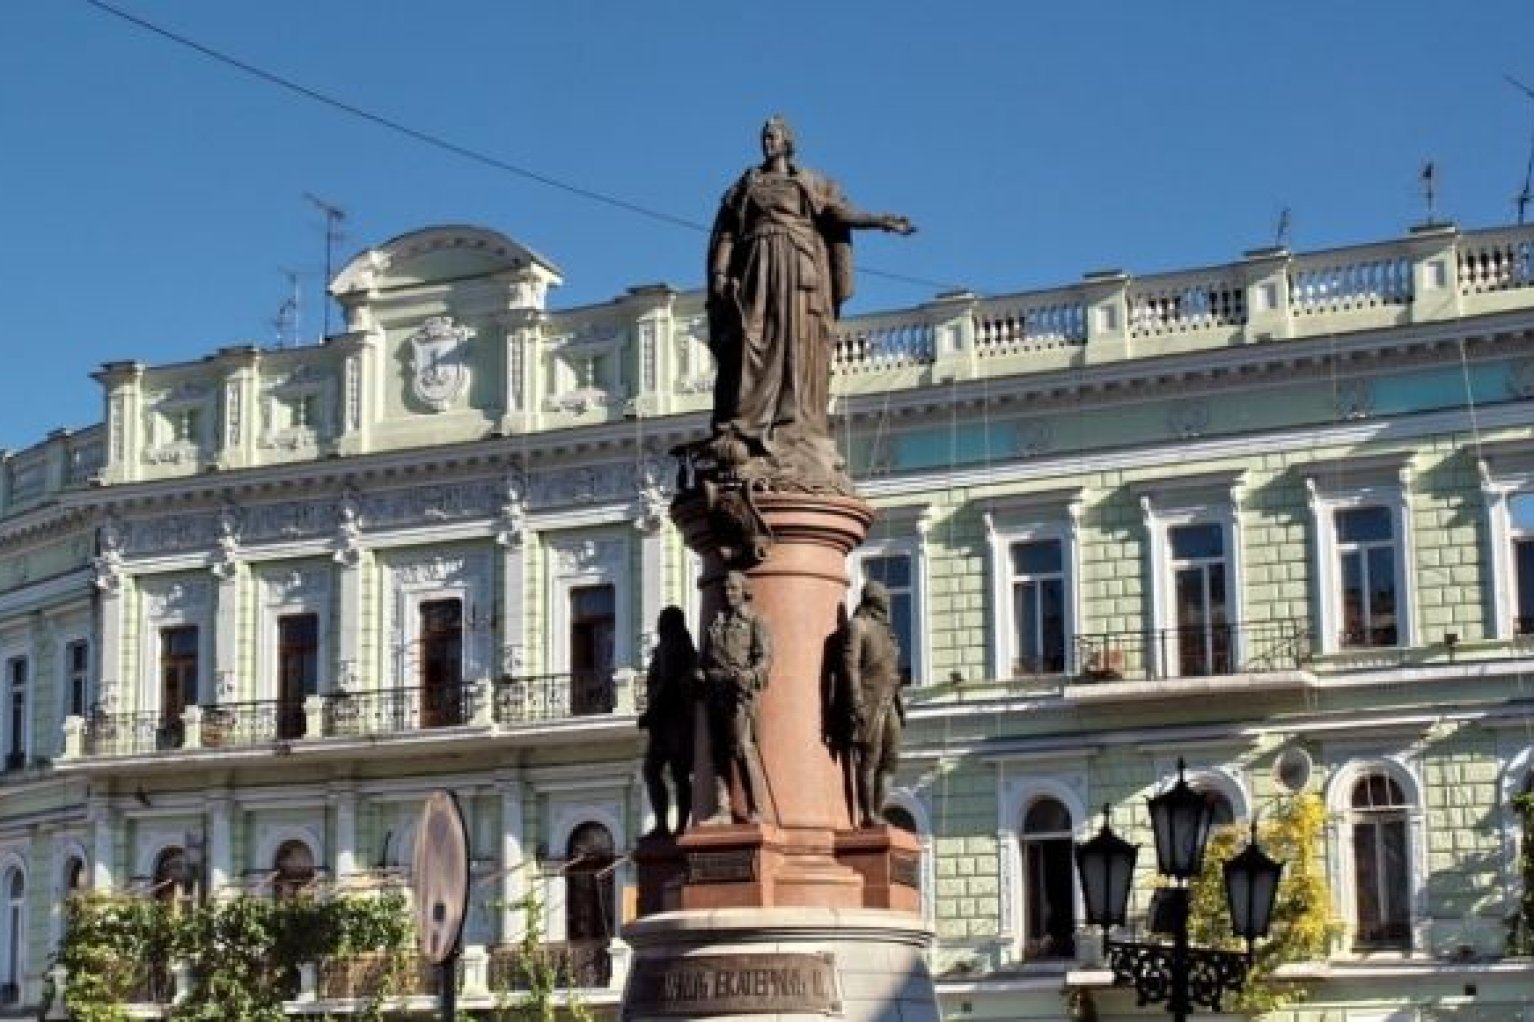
(1303, 927)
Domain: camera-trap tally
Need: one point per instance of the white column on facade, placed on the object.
(343, 800)
(652, 582)
(99, 812)
(109, 659)
(220, 842)
(349, 620)
(511, 535)
(226, 634)
(514, 866)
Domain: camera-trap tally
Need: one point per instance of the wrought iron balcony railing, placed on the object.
(243, 725)
(1200, 651)
(392, 710)
(520, 700)
(132, 734)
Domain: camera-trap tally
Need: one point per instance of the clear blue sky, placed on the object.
(151, 198)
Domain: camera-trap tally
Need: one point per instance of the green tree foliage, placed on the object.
(1520, 925)
(243, 952)
(1303, 927)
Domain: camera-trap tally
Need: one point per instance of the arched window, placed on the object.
(1049, 902)
(589, 884)
(294, 866)
(1381, 863)
(171, 876)
(12, 935)
(1221, 812)
(77, 879)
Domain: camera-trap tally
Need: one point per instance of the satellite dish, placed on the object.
(441, 877)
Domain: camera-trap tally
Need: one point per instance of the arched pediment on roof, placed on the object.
(440, 255)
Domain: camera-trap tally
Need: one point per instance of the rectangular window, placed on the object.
(894, 572)
(1038, 607)
(441, 663)
(77, 664)
(298, 670)
(178, 672)
(1199, 594)
(1366, 553)
(1521, 512)
(305, 411)
(188, 425)
(16, 723)
(593, 631)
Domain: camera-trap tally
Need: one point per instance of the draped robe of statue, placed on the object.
(784, 241)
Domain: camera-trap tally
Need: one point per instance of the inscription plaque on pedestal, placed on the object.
(736, 984)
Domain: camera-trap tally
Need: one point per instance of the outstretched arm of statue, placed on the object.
(859, 221)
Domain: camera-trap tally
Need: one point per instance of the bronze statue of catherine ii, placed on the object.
(780, 267)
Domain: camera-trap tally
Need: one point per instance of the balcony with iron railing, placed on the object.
(1203, 651)
(507, 703)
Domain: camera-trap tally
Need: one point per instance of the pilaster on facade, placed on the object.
(103, 824)
(122, 382)
(1267, 294)
(343, 808)
(220, 816)
(239, 369)
(1106, 297)
(953, 336)
(1433, 251)
(514, 862)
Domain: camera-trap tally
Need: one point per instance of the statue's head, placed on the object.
(671, 622)
(737, 590)
(778, 133)
(875, 595)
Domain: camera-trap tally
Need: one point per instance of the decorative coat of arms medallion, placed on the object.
(438, 362)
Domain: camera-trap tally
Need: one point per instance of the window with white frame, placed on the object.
(1049, 879)
(77, 677)
(1201, 598)
(591, 621)
(1360, 515)
(1378, 836)
(16, 713)
(1035, 565)
(1368, 591)
(590, 890)
(1520, 513)
(13, 935)
(1037, 587)
(1193, 528)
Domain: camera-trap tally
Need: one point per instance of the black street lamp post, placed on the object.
(1183, 977)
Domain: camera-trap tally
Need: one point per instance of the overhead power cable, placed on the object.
(437, 141)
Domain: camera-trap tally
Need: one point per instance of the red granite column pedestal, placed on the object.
(798, 590)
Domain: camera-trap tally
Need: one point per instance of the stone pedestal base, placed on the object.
(793, 965)
(889, 861)
(660, 869)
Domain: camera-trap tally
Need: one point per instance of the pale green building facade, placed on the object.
(1275, 518)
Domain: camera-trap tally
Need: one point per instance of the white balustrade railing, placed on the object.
(872, 343)
(1033, 322)
(1361, 278)
(1496, 260)
(1182, 303)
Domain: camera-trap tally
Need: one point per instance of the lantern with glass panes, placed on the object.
(1182, 976)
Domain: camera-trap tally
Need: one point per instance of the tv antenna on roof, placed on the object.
(334, 215)
(1430, 191)
(1527, 195)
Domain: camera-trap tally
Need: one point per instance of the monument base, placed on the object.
(789, 964)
